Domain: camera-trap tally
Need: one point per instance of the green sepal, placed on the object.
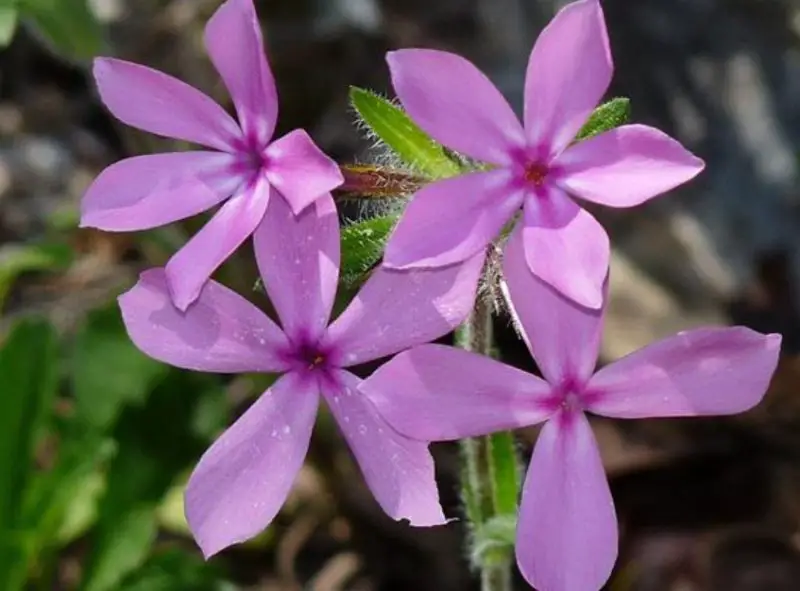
(607, 116)
(394, 127)
(362, 247)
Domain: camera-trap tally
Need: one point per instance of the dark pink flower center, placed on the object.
(535, 173)
(570, 396)
(307, 355)
(251, 158)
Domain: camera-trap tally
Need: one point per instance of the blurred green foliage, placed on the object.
(68, 26)
(93, 437)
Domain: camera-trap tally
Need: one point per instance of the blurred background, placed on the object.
(96, 441)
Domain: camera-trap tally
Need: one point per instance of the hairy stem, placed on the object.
(489, 471)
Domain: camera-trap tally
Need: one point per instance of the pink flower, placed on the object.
(534, 168)
(247, 168)
(243, 479)
(567, 529)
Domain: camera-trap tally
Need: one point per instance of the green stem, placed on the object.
(490, 468)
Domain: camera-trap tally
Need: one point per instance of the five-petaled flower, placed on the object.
(154, 190)
(534, 167)
(567, 530)
(243, 479)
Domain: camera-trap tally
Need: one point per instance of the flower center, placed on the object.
(312, 357)
(309, 356)
(571, 402)
(536, 173)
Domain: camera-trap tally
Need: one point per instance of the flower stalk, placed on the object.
(490, 472)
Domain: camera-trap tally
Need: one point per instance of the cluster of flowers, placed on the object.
(555, 276)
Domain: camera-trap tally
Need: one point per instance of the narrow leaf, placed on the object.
(28, 377)
(607, 116)
(362, 247)
(396, 129)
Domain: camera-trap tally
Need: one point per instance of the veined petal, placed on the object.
(569, 70)
(221, 333)
(708, 371)
(153, 101)
(244, 478)
(562, 336)
(399, 471)
(626, 166)
(234, 43)
(299, 170)
(298, 256)
(396, 310)
(438, 393)
(450, 220)
(567, 529)
(190, 267)
(566, 247)
(154, 190)
(456, 103)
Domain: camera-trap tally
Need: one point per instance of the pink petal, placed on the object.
(298, 257)
(567, 528)
(233, 39)
(396, 310)
(437, 393)
(626, 166)
(563, 337)
(448, 221)
(299, 170)
(153, 101)
(221, 333)
(455, 103)
(566, 247)
(399, 471)
(569, 70)
(149, 191)
(243, 479)
(708, 371)
(190, 267)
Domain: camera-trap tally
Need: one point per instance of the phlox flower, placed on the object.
(567, 531)
(245, 169)
(243, 479)
(535, 167)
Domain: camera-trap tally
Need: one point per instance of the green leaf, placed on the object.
(156, 443)
(362, 247)
(108, 371)
(28, 377)
(17, 259)
(176, 570)
(69, 25)
(8, 24)
(503, 464)
(396, 129)
(607, 116)
(60, 502)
